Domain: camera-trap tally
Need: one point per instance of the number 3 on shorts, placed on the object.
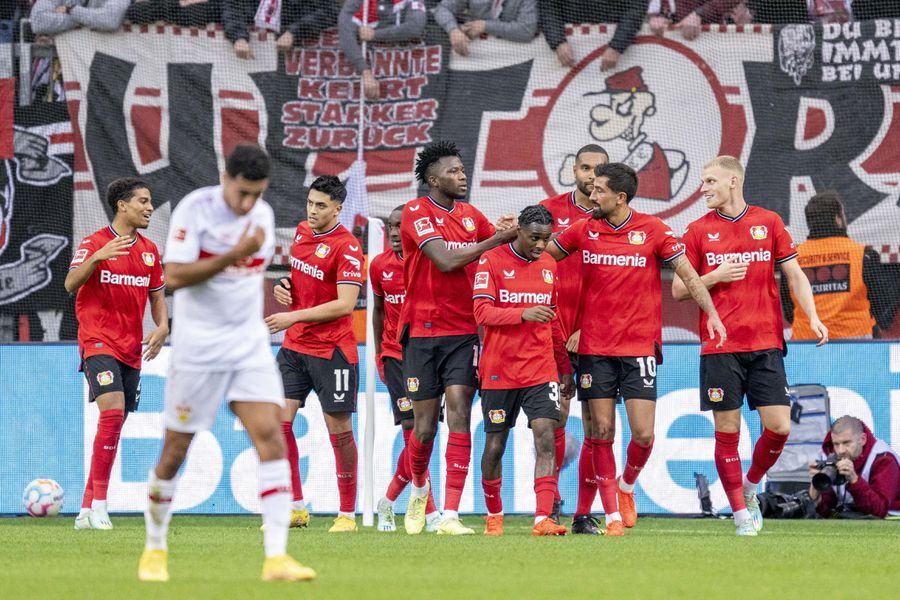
(554, 393)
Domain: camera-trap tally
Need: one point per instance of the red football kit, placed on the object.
(319, 263)
(386, 279)
(438, 304)
(110, 305)
(567, 212)
(750, 308)
(622, 302)
(515, 353)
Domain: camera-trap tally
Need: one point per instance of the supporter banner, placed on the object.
(54, 438)
(36, 225)
(805, 108)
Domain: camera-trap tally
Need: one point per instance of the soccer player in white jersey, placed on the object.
(221, 239)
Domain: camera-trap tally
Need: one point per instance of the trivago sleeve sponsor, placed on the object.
(668, 247)
(350, 264)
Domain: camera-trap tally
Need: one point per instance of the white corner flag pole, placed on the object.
(375, 242)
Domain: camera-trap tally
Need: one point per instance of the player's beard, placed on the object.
(583, 187)
(598, 214)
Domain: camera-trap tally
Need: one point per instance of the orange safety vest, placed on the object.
(833, 266)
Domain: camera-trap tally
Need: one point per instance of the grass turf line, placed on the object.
(221, 557)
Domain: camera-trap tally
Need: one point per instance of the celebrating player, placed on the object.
(114, 271)
(319, 350)
(220, 241)
(567, 209)
(440, 236)
(515, 301)
(388, 291)
(621, 340)
(735, 248)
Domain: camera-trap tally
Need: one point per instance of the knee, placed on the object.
(425, 432)
(493, 451)
(603, 428)
(545, 444)
(642, 438)
(780, 428)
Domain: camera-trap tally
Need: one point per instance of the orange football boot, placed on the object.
(494, 525)
(615, 529)
(626, 507)
(548, 527)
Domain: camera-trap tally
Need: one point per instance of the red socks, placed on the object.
(635, 459)
(492, 498)
(544, 489)
(106, 443)
(728, 465)
(605, 468)
(587, 481)
(345, 467)
(765, 454)
(458, 456)
(560, 456)
(293, 458)
(88, 489)
(402, 475)
(419, 456)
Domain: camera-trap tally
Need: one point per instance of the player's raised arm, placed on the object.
(180, 275)
(697, 290)
(727, 272)
(799, 284)
(447, 259)
(84, 261)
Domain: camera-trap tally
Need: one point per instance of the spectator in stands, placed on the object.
(186, 13)
(514, 20)
(294, 20)
(55, 16)
(387, 21)
(870, 466)
(823, 11)
(844, 276)
(628, 14)
(688, 15)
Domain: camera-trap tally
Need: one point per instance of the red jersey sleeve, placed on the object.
(668, 248)
(569, 240)
(486, 229)
(484, 293)
(420, 228)
(350, 264)
(83, 252)
(560, 354)
(375, 277)
(784, 245)
(157, 279)
(690, 240)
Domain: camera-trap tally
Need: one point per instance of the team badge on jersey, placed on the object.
(548, 276)
(180, 234)
(80, 255)
(105, 377)
(149, 258)
(412, 384)
(637, 237)
(404, 404)
(497, 416)
(759, 232)
(183, 412)
(586, 380)
(468, 223)
(423, 226)
(715, 394)
(481, 281)
(322, 250)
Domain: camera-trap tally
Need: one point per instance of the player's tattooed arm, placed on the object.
(727, 272)
(697, 290)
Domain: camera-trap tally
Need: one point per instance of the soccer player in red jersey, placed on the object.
(515, 293)
(114, 271)
(735, 249)
(440, 237)
(623, 252)
(388, 292)
(567, 209)
(319, 350)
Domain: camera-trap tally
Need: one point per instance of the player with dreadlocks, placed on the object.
(440, 236)
(515, 294)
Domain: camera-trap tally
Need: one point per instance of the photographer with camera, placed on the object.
(860, 473)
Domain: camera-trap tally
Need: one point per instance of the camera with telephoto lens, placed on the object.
(776, 505)
(828, 474)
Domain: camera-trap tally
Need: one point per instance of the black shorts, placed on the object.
(726, 378)
(107, 374)
(400, 404)
(334, 380)
(501, 407)
(430, 365)
(619, 377)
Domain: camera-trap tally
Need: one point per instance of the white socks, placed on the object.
(613, 517)
(451, 514)
(159, 510)
(419, 492)
(98, 505)
(275, 504)
(749, 486)
(625, 487)
(741, 516)
(298, 505)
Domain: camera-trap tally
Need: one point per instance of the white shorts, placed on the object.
(194, 397)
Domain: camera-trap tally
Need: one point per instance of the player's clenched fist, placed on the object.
(282, 291)
(538, 314)
(730, 270)
(249, 243)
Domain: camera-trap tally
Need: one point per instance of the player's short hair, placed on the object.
(596, 148)
(123, 189)
(249, 161)
(536, 214)
(399, 207)
(621, 177)
(821, 212)
(432, 153)
(847, 422)
(331, 186)
(729, 163)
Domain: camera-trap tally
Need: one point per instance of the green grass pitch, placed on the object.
(221, 557)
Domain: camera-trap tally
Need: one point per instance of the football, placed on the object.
(43, 498)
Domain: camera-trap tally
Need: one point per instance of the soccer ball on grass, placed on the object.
(43, 498)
